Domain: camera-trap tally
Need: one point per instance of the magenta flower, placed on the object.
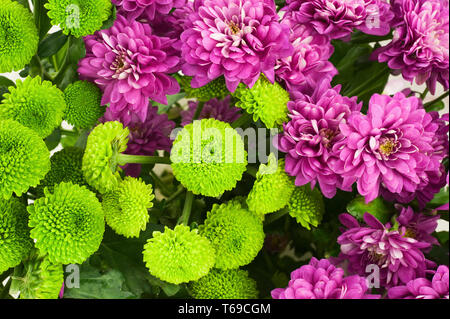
(131, 66)
(146, 9)
(387, 148)
(400, 258)
(420, 47)
(422, 288)
(235, 38)
(322, 280)
(309, 63)
(311, 133)
(337, 18)
(219, 110)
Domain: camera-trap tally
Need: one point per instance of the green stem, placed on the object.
(370, 39)
(424, 94)
(275, 216)
(179, 191)
(123, 159)
(199, 110)
(63, 68)
(243, 120)
(69, 133)
(184, 219)
(357, 91)
(440, 98)
(159, 183)
(252, 171)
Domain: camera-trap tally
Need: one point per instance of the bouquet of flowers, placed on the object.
(230, 149)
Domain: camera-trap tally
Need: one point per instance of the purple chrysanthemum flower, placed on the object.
(400, 258)
(146, 137)
(420, 47)
(387, 148)
(309, 63)
(219, 110)
(146, 9)
(417, 225)
(422, 288)
(130, 65)
(235, 38)
(337, 19)
(322, 280)
(311, 133)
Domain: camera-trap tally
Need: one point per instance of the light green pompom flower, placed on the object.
(100, 166)
(126, 207)
(236, 234)
(67, 224)
(208, 157)
(18, 36)
(307, 206)
(36, 104)
(266, 101)
(83, 100)
(24, 159)
(15, 241)
(272, 189)
(178, 256)
(37, 278)
(79, 17)
(214, 89)
(65, 167)
(224, 284)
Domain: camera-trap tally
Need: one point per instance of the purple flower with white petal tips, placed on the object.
(146, 9)
(387, 148)
(322, 280)
(312, 131)
(337, 18)
(420, 46)
(219, 110)
(422, 288)
(239, 39)
(131, 66)
(400, 258)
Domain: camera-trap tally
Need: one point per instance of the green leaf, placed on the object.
(109, 23)
(41, 18)
(438, 106)
(5, 83)
(53, 139)
(440, 198)
(24, 3)
(382, 210)
(52, 44)
(171, 100)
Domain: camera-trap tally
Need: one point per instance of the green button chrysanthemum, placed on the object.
(307, 206)
(79, 17)
(24, 159)
(266, 101)
(34, 103)
(224, 284)
(272, 189)
(126, 207)
(179, 255)
(65, 167)
(236, 234)
(37, 278)
(208, 157)
(67, 224)
(15, 241)
(214, 89)
(100, 167)
(18, 36)
(83, 100)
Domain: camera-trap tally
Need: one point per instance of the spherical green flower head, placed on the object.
(18, 36)
(272, 189)
(224, 284)
(266, 101)
(67, 224)
(236, 234)
(15, 241)
(214, 89)
(79, 17)
(179, 255)
(307, 206)
(38, 278)
(126, 207)
(24, 159)
(104, 143)
(208, 157)
(36, 104)
(83, 100)
(65, 167)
